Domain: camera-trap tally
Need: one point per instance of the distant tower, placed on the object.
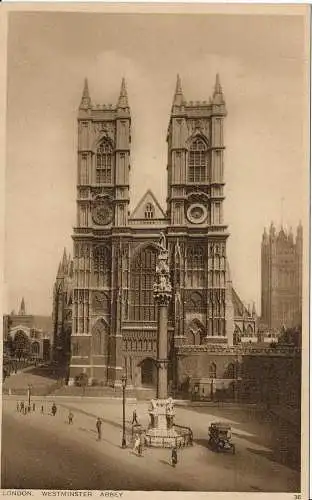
(281, 278)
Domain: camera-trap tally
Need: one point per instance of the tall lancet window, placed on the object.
(142, 280)
(197, 161)
(104, 163)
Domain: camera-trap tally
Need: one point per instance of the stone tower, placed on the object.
(281, 278)
(195, 211)
(102, 216)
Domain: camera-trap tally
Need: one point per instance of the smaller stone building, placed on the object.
(62, 311)
(27, 335)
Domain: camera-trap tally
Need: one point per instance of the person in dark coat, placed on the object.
(22, 406)
(17, 406)
(174, 456)
(42, 410)
(70, 418)
(134, 417)
(99, 428)
(54, 409)
(34, 407)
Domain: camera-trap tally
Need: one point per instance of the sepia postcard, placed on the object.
(155, 248)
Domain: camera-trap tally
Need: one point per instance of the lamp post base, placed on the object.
(124, 444)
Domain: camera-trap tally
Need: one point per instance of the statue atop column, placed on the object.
(162, 286)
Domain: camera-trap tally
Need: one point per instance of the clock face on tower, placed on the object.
(102, 213)
(197, 213)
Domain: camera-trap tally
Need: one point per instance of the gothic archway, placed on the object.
(100, 333)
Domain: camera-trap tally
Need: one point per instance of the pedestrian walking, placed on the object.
(22, 406)
(174, 456)
(99, 428)
(141, 444)
(29, 408)
(34, 407)
(134, 417)
(42, 410)
(53, 409)
(25, 410)
(17, 406)
(70, 418)
(136, 443)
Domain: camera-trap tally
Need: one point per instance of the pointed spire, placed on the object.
(265, 236)
(218, 93)
(178, 96)
(85, 99)
(59, 272)
(123, 96)
(64, 260)
(22, 310)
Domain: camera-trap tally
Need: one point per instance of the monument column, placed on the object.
(162, 295)
(162, 347)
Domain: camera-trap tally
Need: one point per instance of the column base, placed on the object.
(162, 432)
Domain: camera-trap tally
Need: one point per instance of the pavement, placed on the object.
(50, 453)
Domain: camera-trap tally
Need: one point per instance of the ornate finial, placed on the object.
(123, 96)
(85, 100)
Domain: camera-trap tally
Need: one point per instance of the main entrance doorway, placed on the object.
(148, 372)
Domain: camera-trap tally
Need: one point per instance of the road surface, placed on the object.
(50, 454)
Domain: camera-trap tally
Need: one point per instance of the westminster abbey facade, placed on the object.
(113, 314)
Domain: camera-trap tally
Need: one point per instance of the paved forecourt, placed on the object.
(199, 468)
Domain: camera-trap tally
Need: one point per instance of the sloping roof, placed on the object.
(139, 211)
(239, 308)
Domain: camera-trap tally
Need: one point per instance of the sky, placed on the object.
(263, 65)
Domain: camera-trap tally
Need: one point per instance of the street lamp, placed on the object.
(124, 383)
(29, 393)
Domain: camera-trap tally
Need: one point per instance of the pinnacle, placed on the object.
(178, 85)
(123, 96)
(85, 99)
(178, 96)
(218, 93)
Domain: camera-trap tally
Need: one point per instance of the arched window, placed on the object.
(213, 370)
(142, 280)
(197, 161)
(149, 211)
(230, 371)
(104, 163)
(195, 302)
(195, 267)
(101, 267)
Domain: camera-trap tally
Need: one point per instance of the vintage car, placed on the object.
(220, 437)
